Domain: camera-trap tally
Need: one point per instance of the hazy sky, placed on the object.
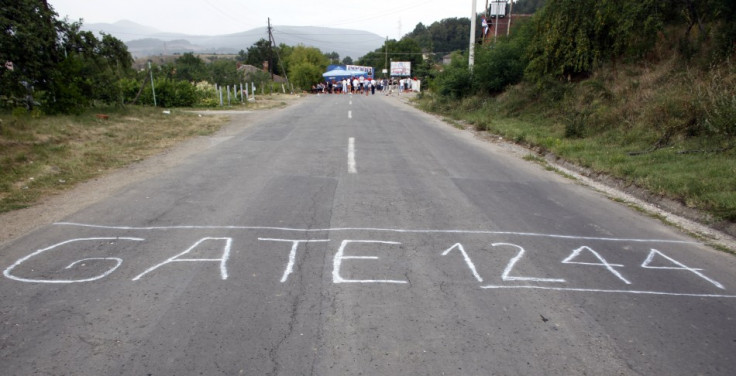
(392, 18)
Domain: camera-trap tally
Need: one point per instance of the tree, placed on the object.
(347, 60)
(574, 36)
(503, 64)
(718, 13)
(28, 42)
(528, 6)
(242, 56)
(224, 72)
(190, 68)
(407, 49)
(55, 63)
(306, 65)
(442, 37)
(89, 70)
(423, 36)
(334, 57)
(260, 52)
(455, 80)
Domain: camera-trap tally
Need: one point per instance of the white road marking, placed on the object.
(468, 261)
(350, 114)
(117, 260)
(340, 255)
(376, 229)
(603, 262)
(292, 254)
(513, 261)
(680, 266)
(176, 258)
(351, 156)
(502, 287)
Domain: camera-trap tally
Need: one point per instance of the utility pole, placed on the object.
(385, 48)
(271, 44)
(511, 9)
(495, 25)
(270, 49)
(153, 89)
(471, 51)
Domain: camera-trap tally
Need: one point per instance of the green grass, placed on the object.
(703, 180)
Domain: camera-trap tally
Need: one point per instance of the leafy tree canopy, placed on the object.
(574, 36)
(442, 37)
(407, 49)
(528, 6)
(190, 68)
(54, 63)
(306, 65)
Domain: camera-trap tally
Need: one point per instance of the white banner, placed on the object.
(360, 68)
(401, 68)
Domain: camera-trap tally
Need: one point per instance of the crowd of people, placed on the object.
(362, 85)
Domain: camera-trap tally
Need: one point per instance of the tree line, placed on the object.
(53, 63)
(568, 39)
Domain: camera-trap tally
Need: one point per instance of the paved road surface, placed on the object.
(357, 236)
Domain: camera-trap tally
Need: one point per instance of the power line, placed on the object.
(226, 14)
(383, 13)
(177, 35)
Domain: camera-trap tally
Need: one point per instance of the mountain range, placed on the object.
(145, 41)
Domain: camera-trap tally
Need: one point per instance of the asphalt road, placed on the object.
(352, 235)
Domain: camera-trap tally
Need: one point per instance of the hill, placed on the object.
(145, 41)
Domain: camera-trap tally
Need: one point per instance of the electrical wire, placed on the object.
(226, 14)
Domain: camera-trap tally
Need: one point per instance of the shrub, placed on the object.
(720, 120)
(498, 67)
(454, 82)
(170, 93)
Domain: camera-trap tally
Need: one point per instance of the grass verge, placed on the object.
(42, 155)
(666, 132)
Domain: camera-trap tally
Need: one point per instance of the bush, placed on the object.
(575, 125)
(170, 93)
(454, 82)
(207, 95)
(502, 64)
(498, 67)
(720, 121)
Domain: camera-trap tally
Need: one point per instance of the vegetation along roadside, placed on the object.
(651, 102)
(45, 155)
(640, 90)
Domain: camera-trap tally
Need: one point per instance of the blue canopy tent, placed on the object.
(339, 74)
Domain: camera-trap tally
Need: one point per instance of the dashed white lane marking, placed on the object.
(351, 156)
(350, 114)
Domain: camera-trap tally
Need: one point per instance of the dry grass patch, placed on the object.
(45, 155)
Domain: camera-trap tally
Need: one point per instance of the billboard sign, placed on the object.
(401, 68)
(497, 8)
(360, 68)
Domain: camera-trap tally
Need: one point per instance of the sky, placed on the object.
(387, 18)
